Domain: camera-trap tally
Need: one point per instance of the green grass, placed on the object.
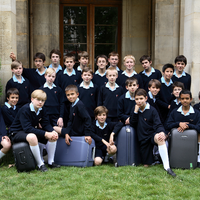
(103, 182)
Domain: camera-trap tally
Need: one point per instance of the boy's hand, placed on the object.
(67, 139)
(136, 108)
(169, 106)
(88, 139)
(12, 56)
(111, 140)
(5, 140)
(51, 135)
(60, 122)
(127, 121)
(182, 126)
(161, 136)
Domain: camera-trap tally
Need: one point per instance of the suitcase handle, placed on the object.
(20, 155)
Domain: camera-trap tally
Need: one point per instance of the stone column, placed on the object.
(45, 26)
(7, 39)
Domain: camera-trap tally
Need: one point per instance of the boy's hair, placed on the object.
(87, 69)
(156, 82)
(99, 110)
(145, 57)
(131, 80)
(69, 55)
(111, 69)
(39, 94)
(166, 66)
(40, 56)
(181, 58)
(178, 84)
(185, 91)
(55, 51)
(16, 64)
(140, 92)
(50, 71)
(113, 53)
(71, 87)
(130, 57)
(83, 54)
(101, 56)
(12, 91)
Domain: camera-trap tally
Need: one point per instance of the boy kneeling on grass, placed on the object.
(150, 131)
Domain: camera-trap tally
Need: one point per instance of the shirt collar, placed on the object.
(108, 86)
(163, 81)
(42, 72)
(50, 87)
(117, 68)
(175, 100)
(73, 72)
(146, 107)
(90, 85)
(98, 125)
(15, 79)
(191, 110)
(97, 72)
(152, 71)
(73, 104)
(128, 96)
(58, 69)
(79, 69)
(33, 109)
(9, 106)
(151, 96)
(183, 74)
(124, 72)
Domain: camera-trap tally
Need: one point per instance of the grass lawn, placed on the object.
(103, 182)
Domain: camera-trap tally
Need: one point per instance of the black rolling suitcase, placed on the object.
(183, 149)
(128, 152)
(24, 159)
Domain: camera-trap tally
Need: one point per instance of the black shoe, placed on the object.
(170, 172)
(53, 165)
(43, 168)
(198, 164)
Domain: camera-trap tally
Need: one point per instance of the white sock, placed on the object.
(164, 156)
(2, 154)
(198, 157)
(51, 148)
(36, 153)
(41, 146)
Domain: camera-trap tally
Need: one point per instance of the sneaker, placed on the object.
(170, 172)
(53, 165)
(198, 164)
(43, 168)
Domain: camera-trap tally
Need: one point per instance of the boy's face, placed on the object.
(71, 95)
(180, 65)
(84, 61)
(69, 63)
(129, 63)
(87, 77)
(154, 90)
(39, 63)
(50, 78)
(140, 100)
(176, 91)
(146, 64)
(168, 73)
(101, 63)
(55, 59)
(113, 60)
(185, 100)
(13, 99)
(17, 70)
(132, 87)
(37, 103)
(101, 118)
(111, 76)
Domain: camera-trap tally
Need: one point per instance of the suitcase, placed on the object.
(24, 160)
(183, 149)
(128, 152)
(78, 153)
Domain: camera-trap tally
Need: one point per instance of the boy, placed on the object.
(165, 95)
(110, 93)
(54, 104)
(103, 133)
(185, 117)
(149, 72)
(19, 82)
(79, 123)
(127, 101)
(113, 59)
(83, 58)
(24, 129)
(9, 110)
(197, 106)
(88, 92)
(149, 130)
(179, 74)
(99, 77)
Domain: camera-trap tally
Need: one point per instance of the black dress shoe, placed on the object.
(198, 164)
(43, 168)
(170, 172)
(53, 165)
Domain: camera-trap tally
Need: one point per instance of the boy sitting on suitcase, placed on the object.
(24, 129)
(185, 117)
(103, 133)
(150, 131)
